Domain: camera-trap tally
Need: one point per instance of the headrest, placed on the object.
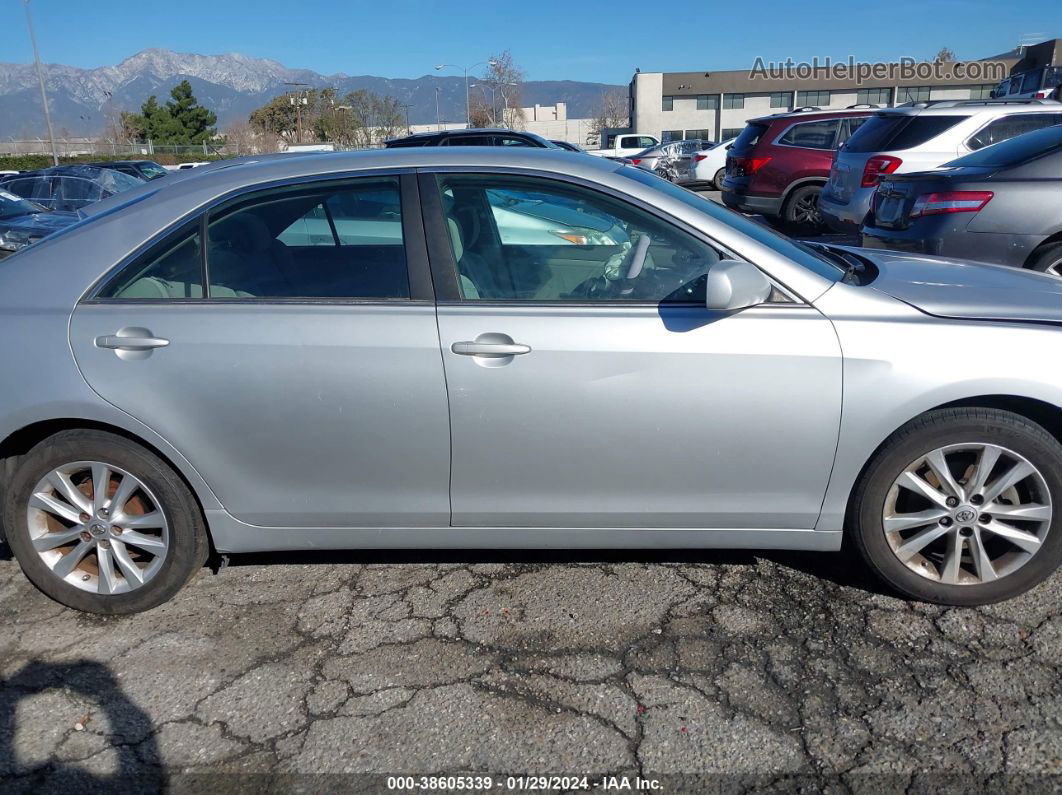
(242, 232)
(455, 239)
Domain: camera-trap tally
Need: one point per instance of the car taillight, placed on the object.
(876, 167)
(954, 201)
(745, 166)
(699, 158)
(635, 161)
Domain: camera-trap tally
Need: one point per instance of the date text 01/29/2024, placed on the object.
(473, 783)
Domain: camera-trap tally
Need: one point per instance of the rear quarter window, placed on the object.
(748, 138)
(818, 134)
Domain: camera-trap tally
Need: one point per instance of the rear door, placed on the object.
(306, 385)
(590, 387)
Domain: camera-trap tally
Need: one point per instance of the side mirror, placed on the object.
(731, 285)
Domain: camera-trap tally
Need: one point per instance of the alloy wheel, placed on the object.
(98, 527)
(967, 514)
(806, 210)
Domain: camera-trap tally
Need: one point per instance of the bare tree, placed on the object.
(246, 140)
(506, 81)
(944, 55)
(613, 111)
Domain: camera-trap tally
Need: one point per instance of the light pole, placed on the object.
(40, 79)
(466, 70)
(438, 124)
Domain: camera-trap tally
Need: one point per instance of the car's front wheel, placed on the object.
(101, 524)
(962, 506)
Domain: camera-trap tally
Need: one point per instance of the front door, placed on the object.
(305, 386)
(590, 387)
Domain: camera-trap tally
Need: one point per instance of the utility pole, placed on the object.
(438, 124)
(409, 130)
(40, 79)
(298, 101)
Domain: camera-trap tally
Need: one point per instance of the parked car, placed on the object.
(146, 170)
(23, 222)
(451, 390)
(778, 164)
(672, 161)
(472, 137)
(919, 136)
(566, 145)
(1042, 83)
(625, 145)
(1001, 204)
(709, 165)
(68, 187)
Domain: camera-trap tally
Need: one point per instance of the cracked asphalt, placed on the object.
(708, 671)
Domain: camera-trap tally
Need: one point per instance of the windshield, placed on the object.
(1014, 150)
(115, 181)
(791, 249)
(748, 138)
(12, 206)
(152, 170)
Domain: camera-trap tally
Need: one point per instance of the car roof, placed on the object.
(812, 113)
(969, 107)
(86, 170)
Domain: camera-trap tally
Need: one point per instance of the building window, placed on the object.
(707, 102)
(816, 98)
(982, 92)
(703, 135)
(667, 103)
(733, 101)
(874, 96)
(914, 94)
(781, 99)
(731, 132)
(670, 135)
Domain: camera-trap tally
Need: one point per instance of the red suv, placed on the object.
(779, 164)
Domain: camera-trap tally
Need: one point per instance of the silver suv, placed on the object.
(917, 137)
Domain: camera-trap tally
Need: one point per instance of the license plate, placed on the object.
(889, 209)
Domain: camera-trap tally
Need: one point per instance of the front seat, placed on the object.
(244, 256)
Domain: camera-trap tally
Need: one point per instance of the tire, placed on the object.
(178, 546)
(956, 429)
(1047, 259)
(801, 212)
(720, 175)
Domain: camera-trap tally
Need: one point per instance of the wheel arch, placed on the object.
(1056, 237)
(801, 183)
(1045, 414)
(21, 441)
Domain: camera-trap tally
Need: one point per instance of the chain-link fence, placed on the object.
(72, 147)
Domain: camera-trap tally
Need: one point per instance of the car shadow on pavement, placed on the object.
(128, 731)
(843, 568)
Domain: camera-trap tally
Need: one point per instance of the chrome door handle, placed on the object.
(116, 342)
(492, 349)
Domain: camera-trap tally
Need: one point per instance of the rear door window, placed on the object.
(819, 134)
(1008, 127)
(890, 132)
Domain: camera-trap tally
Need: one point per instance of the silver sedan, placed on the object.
(185, 369)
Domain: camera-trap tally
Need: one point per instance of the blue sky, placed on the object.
(602, 40)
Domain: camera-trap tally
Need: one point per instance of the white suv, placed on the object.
(918, 137)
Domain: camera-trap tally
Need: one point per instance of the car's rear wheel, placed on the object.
(720, 175)
(1047, 259)
(962, 506)
(103, 525)
(801, 212)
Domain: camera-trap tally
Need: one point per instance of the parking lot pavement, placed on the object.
(714, 670)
